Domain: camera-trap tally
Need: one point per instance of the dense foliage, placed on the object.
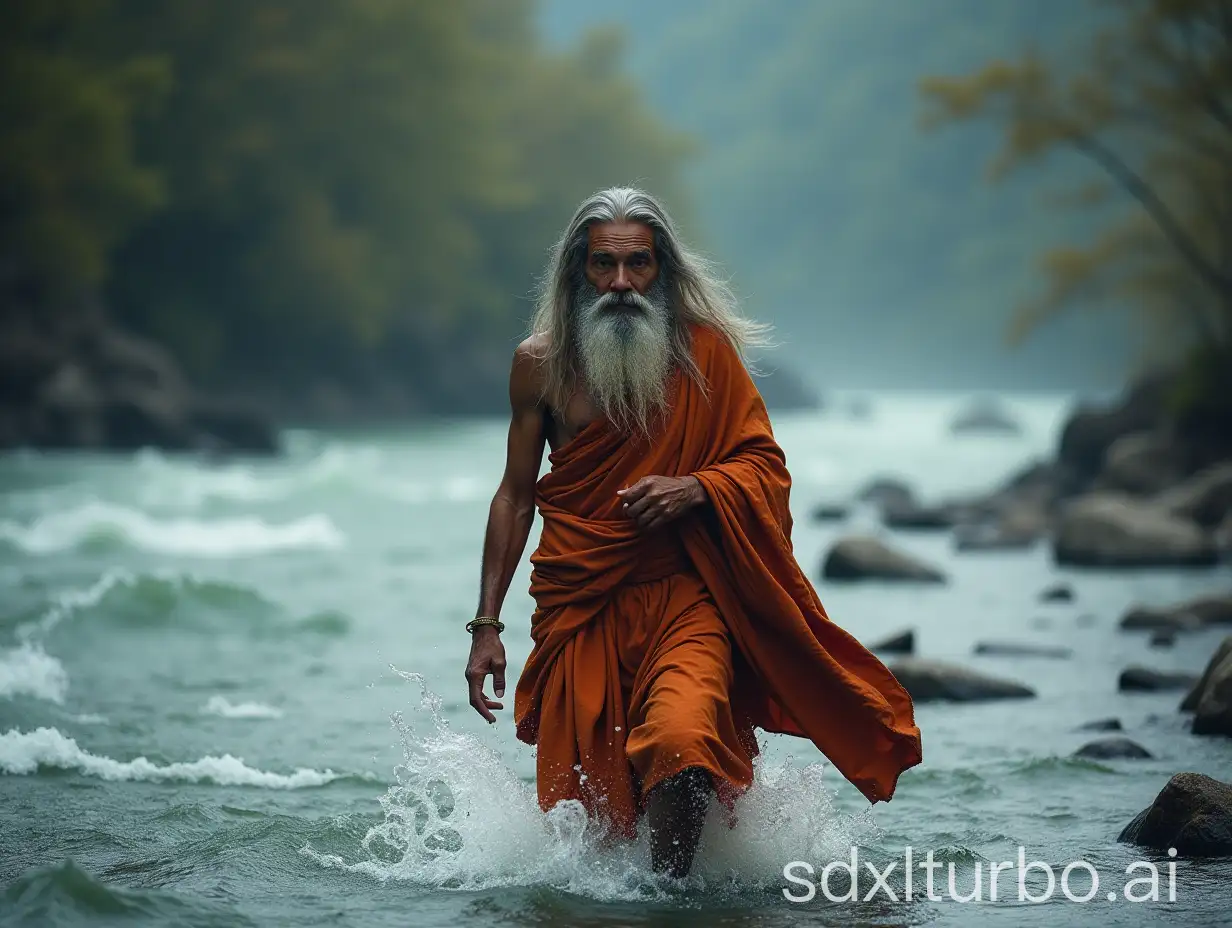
(307, 199)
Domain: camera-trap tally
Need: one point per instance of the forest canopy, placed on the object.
(304, 198)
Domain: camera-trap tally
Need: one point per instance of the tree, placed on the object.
(71, 186)
(1150, 105)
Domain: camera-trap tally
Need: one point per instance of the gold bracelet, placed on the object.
(485, 620)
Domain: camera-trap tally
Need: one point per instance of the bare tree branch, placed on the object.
(1141, 191)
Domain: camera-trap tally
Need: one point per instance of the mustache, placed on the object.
(625, 299)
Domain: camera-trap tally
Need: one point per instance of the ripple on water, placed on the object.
(65, 894)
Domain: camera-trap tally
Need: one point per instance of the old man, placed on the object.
(672, 619)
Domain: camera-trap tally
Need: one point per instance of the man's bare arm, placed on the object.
(509, 522)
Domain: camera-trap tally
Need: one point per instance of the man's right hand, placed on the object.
(487, 657)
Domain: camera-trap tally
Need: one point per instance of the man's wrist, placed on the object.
(698, 491)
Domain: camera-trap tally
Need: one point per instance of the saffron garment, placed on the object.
(657, 651)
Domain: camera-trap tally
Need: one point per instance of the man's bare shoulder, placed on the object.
(526, 377)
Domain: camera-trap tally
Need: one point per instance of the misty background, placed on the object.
(220, 220)
(879, 251)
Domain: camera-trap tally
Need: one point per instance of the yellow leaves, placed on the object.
(1151, 104)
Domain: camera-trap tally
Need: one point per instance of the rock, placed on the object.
(985, 416)
(1090, 431)
(1162, 638)
(1206, 498)
(1018, 649)
(1193, 814)
(1141, 464)
(1187, 616)
(830, 512)
(1086, 620)
(1113, 749)
(1144, 680)
(886, 491)
(1211, 697)
(859, 557)
(1057, 593)
(72, 381)
(901, 643)
(1101, 725)
(1111, 530)
(929, 680)
(917, 518)
(1223, 535)
(232, 427)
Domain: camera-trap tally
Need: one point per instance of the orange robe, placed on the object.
(653, 652)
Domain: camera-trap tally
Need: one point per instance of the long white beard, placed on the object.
(625, 347)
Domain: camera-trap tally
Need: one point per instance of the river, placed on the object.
(231, 693)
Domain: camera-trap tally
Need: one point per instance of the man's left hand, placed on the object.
(655, 501)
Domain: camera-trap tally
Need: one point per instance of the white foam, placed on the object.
(220, 706)
(458, 817)
(23, 753)
(189, 484)
(232, 537)
(28, 670)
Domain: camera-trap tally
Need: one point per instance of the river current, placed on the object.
(231, 693)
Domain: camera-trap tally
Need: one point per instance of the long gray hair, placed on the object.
(696, 294)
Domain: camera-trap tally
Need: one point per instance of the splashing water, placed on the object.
(457, 817)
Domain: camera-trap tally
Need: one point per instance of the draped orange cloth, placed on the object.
(653, 652)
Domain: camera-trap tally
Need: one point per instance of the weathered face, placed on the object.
(620, 256)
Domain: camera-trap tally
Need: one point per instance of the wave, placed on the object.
(458, 817)
(188, 485)
(97, 524)
(220, 706)
(26, 753)
(28, 670)
(64, 893)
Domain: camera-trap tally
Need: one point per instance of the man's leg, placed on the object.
(676, 811)
(682, 734)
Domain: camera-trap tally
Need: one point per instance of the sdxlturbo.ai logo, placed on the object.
(977, 881)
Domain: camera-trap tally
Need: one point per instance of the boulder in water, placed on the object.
(1200, 612)
(886, 491)
(1205, 498)
(1090, 431)
(1193, 814)
(830, 512)
(1020, 649)
(859, 557)
(930, 680)
(1211, 697)
(1145, 680)
(1141, 464)
(1113, 749)
(1162, 638)
(985, 416)
(1111, 530)
(1057, 593)
(1101, 725)
(901, 643)
(913, 517)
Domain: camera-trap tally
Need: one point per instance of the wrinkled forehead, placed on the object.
(620, 239)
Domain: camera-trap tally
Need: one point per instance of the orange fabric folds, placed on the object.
(609, 643)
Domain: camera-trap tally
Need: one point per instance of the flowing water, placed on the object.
(231, 694)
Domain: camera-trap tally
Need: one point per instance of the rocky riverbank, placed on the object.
(1131, 486)
(77, 382)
